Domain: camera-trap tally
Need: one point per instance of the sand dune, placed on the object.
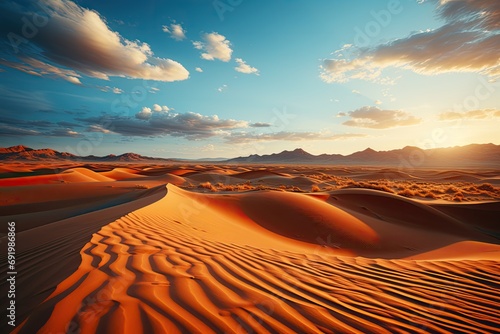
(254, 174)
(167, 170)
(125, 250)
(122, 174)
(163, 269)
(212, 177)
(67, 176)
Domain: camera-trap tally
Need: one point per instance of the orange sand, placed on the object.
(113, 249)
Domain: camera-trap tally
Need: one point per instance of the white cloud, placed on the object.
(117, 90)
(467, 42)
(216, 46)
(62, 133)
(73, 80)
(176, 31)
(80, 40)
(198, 69)
(158, 108)
(222, 88)
(98, 128)
(144, 114)
(243, 67)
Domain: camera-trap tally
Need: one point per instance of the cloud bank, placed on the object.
(76, 39)
(469, 41)
(158, 121)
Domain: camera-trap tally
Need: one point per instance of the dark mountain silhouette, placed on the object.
(474, 155)
(24, 153)
(407, 157)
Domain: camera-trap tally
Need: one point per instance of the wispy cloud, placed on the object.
(469, 41)
(98, 128)
(79, 40)
(175, 31)
(246, 137)
(32, 102)
(376, 118)
(36, 67)
(114, 90)
(471, 114)
(10, 126)
(215, 46)
(11, 131)
(243, 67)
(260, 125)
(62, 133)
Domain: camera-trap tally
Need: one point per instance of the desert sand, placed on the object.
(135, 248)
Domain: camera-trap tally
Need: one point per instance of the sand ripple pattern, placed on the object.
(149, 273)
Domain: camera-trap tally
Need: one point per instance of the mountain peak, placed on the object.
(15, 149)
(300, 151)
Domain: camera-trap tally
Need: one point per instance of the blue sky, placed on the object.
(193, 79)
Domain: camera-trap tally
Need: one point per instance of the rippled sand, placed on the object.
(128, 250)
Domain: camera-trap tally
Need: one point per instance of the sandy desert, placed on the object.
(230, 166)
(145, 248)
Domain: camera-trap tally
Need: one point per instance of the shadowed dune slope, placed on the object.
(67, 176)
(399, 210)
(122, 174)
(48, 244)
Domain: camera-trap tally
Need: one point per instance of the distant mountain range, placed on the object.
(24, 153)
(474, 155)
(407, 157)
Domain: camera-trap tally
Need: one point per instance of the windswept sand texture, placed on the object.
(248, 249)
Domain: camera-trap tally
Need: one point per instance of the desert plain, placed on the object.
(235, 248)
